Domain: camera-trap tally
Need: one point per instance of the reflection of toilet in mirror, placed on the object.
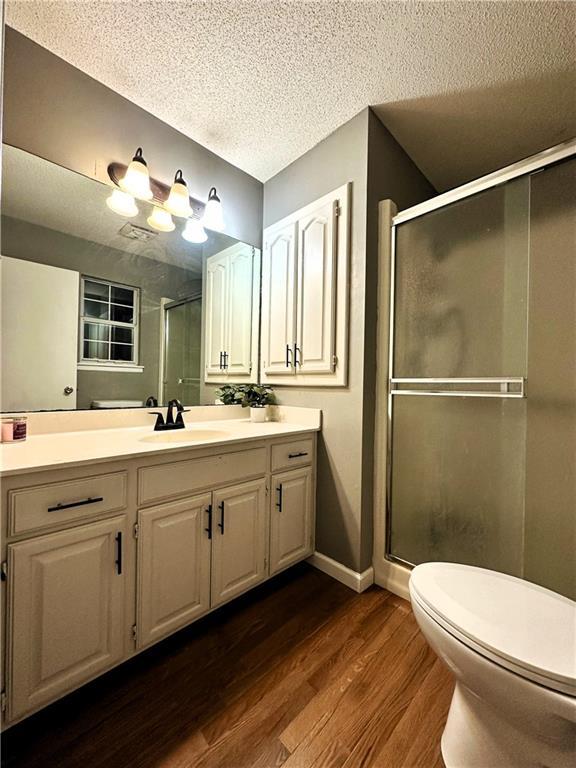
(511, 645)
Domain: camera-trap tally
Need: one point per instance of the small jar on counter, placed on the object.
(14, 428)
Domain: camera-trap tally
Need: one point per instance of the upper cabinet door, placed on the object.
(66, 618)
(278, 301)
(316, 302)
(304, 339)
(216, 312)
(238, 346)
(173, 566)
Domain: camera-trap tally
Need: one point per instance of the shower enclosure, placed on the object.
(482, 376)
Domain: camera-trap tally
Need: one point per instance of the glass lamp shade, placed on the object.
(161, 220)
(213, 217)
(194, 232)
(122, 203)
(137, 179)
(178, 203)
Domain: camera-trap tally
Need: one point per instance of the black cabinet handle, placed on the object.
(279, 502)
(119, 552)
(221, 523)
(297, 351)
(288, 356)
(297, 455)
(225, 360)
(82, 503)
(220, 363)
(209, 529)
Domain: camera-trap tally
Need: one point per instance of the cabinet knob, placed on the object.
(68, 390)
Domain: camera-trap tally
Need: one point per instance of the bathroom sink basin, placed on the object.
(185, 436)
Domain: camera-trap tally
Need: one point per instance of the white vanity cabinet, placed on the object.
(239, 540)
(103, 560)
(305, 295)
(231, 314)
(65, 611)
(173, 567)
(291, 518)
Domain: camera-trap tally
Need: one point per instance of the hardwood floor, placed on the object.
(300, 673)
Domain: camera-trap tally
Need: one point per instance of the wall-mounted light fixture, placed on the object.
(213, 217)
(135, 181)
(178, 202)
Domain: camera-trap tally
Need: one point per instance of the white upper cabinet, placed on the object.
(278, 301)
(230, 330)
(305, 295)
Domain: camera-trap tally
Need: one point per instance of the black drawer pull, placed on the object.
(279, 502)
(221, 523)
(297, 455)
(209, 529)
(82, 503)
(119, 553)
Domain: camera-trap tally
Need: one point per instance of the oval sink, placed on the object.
(185, 436)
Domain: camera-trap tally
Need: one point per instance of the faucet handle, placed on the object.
(160, 424)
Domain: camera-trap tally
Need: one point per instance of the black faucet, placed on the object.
(170, 423)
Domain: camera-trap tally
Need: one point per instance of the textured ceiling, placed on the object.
(464, 86)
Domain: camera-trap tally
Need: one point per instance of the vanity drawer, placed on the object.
(172, 481)
(293, 454)
(45, 506)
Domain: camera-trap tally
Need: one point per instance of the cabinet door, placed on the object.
(239, 544)
(316, 280)
(278, 301)
(238, 344)
(216, 313)
(173, 566)
(66, 619)
(291, 518)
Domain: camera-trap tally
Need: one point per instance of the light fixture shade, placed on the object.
(178, 202)
(194, 231)
(137, 179)
(122, 203)
(213, 217)
(161, 220)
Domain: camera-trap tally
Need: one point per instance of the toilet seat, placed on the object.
(519, 625)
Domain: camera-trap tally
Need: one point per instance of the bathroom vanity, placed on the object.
(115, 538)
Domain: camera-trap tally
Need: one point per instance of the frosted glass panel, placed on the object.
(457, 485)
(461, 288)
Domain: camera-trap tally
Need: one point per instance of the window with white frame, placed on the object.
(109, 315)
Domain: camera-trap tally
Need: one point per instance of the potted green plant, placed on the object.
(254, 396)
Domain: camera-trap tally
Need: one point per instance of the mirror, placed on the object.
(103, 311)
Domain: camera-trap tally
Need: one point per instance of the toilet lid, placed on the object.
(521, 625)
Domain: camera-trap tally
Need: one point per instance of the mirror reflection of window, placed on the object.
(109, 322)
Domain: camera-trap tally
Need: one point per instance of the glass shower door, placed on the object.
(458, 409)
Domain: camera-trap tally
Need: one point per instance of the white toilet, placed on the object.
(511, 646)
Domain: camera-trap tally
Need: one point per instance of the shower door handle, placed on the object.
(487, 386)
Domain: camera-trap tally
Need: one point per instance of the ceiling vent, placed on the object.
(137, 233)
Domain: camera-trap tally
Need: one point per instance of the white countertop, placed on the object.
(70, 449)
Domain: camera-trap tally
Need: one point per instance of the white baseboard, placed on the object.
(393, 577)
(356, 581)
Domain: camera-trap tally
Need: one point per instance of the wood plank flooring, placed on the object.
(300, 673)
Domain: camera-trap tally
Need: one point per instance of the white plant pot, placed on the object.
(258, 414)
